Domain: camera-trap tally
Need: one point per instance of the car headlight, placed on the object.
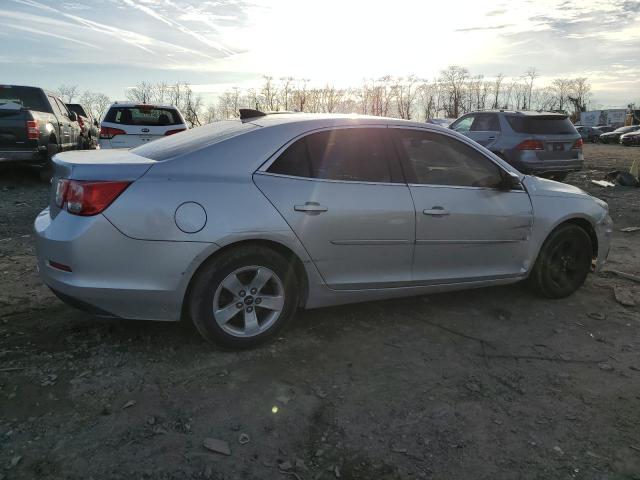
(604, 205)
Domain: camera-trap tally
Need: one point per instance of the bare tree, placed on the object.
(67, 92)
(95, 102)
(142, 92)
(269, 92)
(453, 81)
(497, 83)
(561, 88)
(405, 92)
(530, 76)
(579, 96)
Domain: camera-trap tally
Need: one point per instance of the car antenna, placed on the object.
(250, 113)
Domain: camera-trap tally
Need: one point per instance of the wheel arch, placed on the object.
(581, 222)
(285, 251)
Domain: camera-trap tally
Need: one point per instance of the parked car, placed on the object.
(614, 137)
(34, 126)
(589, 134)
(128, 125)
(540, 143)
(443, 122)
(605, 128)
(89, 126)
(239, 222)
(631, 138)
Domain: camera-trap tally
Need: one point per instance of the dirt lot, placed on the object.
(488, 384)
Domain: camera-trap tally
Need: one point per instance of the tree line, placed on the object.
(453, 92)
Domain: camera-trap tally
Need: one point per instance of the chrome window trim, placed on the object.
(327, 180)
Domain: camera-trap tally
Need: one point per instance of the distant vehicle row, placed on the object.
(36, 124)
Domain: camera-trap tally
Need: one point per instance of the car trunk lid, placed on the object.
(100, 165)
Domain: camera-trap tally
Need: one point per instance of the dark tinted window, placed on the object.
(355, 154)
(27, 97)
(435, 159)
(487, 122)
(77, 108)
(143, 115)
(541, 125)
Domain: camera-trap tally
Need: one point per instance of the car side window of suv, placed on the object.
(486, 122)
(350, 154)
(436, 159)
(464, 124)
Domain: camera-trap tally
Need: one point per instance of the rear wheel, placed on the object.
(243, 297)
(563, 262)
(46, 172)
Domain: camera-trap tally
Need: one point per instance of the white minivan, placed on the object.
(128, 125)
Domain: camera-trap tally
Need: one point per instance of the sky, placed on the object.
(110, 45)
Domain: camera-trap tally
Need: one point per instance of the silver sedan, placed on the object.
(238, 223)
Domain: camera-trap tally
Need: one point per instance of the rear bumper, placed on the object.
(528, 161)
(114, 275)
(26, 156)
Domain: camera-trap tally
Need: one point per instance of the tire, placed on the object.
(230, 285)
(46, 172)
(563, 262)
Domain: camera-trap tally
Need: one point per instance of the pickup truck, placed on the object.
(34, 126)
(89, 126)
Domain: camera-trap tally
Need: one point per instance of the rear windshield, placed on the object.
(539, 125)
(192, 140)
(144, 115)
(27, 97)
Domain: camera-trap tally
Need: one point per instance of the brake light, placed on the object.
(33, 132)
(171, 132)
(578, 145)
(109, 132)
(87, 198)
(531, 145)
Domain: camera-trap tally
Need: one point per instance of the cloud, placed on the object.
(491, 27)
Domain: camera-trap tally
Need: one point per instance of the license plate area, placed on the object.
(557, 147)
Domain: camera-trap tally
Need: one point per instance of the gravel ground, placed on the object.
(485, 384)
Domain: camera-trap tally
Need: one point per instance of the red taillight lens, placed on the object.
(33, 132)
(87, 198)
(171, 132)
(108, 132)
(531, 145)
(578, 145)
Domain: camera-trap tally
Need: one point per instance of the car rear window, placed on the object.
(144, 115)
(27, 97)
(541, 125)
(192, 140)
(77, 108)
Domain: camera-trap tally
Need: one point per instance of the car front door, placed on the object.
(343, 194)
(468, 226)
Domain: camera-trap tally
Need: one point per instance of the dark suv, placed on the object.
(541, 143)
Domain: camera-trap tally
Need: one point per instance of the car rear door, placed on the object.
(467, 227)
(343, 194)
(485, 129)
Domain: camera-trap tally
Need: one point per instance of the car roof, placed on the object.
(524, 113)
(135, 104)
(320, 120)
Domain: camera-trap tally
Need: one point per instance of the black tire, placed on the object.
(46, 171)
(208, 281)
(563, 262)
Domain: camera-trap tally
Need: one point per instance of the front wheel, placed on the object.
(563, 262)
(243, 297)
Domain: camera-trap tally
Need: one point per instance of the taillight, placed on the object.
(108, 132)
(86, 197)
(578, 145)
(171, 132)
(33, 132)
(80, 121)
(531, 145)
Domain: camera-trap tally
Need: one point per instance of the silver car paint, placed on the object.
(133, 261)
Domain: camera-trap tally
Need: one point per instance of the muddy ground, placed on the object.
(488, 384)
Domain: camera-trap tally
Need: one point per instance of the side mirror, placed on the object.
(73, 117)
(511, 181)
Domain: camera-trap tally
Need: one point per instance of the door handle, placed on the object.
(491, 138)
(313, 207)
(436, 211)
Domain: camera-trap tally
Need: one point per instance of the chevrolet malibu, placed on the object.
(238, 223)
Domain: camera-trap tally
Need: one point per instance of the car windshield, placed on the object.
(27, 97)
(144, 115)
(541, 125)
